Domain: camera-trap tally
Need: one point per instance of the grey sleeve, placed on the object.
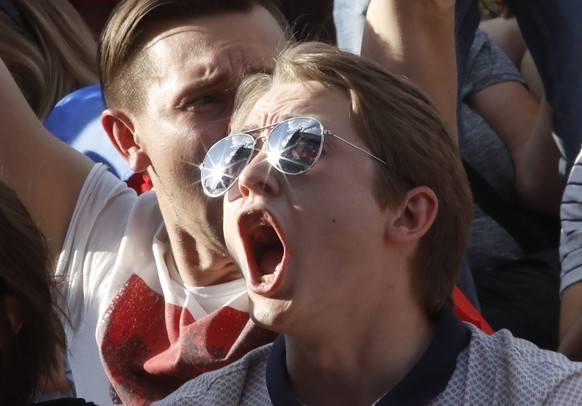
(487, 66)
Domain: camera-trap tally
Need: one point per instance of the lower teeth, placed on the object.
(270, 277)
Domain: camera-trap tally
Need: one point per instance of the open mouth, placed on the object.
(264, 248)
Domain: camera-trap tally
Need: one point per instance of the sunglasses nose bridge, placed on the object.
(258, 177)
(258, 144)
(261, 139)
(259, 148)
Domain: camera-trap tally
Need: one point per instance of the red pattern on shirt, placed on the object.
(150, 348)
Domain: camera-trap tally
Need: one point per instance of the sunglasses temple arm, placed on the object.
(358, 148)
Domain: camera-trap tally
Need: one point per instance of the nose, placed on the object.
(259, 177)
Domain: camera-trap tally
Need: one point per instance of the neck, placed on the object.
(198, 251)
(361, 363)
(200, 264)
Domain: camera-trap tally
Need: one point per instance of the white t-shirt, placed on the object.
(129, 308)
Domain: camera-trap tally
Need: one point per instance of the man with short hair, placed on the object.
(150, 289)
(348, 211)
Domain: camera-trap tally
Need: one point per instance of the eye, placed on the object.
(208, 106)
(206, 101)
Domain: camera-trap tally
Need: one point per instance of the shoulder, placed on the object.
(107, 211)
(101, 188)
(102, 192)
(488, 65)
(515, 371)
(502, 348)
(242, 382)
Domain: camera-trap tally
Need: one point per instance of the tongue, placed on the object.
(269, 261)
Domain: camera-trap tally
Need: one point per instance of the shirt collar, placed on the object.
(428, 378)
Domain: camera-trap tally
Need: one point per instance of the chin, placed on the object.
(267, 313)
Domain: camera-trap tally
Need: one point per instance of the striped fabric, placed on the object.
(571, 217)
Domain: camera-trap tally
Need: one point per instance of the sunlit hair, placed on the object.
(51, 53)
(399, 125)
(31, 354)
(123, 67)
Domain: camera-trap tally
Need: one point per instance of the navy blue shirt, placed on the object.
(428, 378)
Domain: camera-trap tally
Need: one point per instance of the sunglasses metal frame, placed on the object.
(274, 163)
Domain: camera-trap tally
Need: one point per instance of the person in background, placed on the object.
(76, 117)
(551, 32)
(310, 20)
(95, 13)
(32, 338)
(550, 29)
(49, 50)
(505, 33)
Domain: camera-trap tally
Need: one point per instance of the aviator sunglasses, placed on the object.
(293, 147)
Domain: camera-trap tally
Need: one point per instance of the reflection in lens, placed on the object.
(295, 145)
(224, 162)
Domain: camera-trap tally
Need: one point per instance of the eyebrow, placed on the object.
(200, 86)
(197, 89)
(251, 128)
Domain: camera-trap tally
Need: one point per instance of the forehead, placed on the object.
(286, 100)
(244, 38)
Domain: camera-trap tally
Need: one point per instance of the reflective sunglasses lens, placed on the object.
(295, 145)
(224, 162)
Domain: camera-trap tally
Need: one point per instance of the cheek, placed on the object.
(341, 207)
(208, 133)
(232, 240)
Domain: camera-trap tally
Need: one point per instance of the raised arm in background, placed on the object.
(417, 39)
(46, 174)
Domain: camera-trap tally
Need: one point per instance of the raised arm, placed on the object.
(524, 125)
(46, 174)
(416, 38)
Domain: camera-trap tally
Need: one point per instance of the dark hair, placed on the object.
(31, 354)
(399, 124)
(125, 33)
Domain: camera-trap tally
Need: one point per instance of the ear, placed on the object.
(121, 132)
(416, 215)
